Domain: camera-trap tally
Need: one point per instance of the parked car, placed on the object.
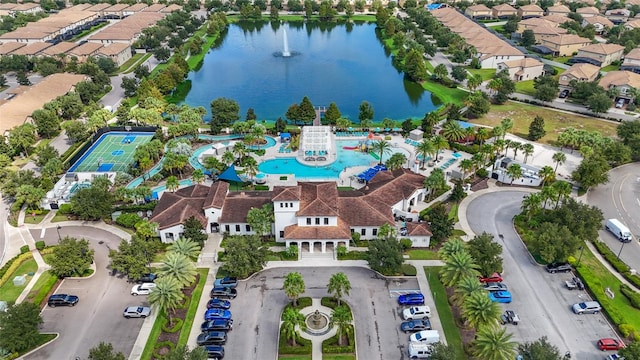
(563, 94)
(149, 277)
(227, 282)
(620, 230)
(216, 303)
(610, 344)
(62, 300)
(411, 299)
(142, 289)
(217, 325)
(137, 312)
(213, 314)
(614, 357)
(558, 267)
(497, 286)
(500, 296)
(415, 325)
(223, 292)
(212, 338)
(426, 336)
(509, 317)
(495, 277)
(620, 104)
(587, 307)
(215, 352)
(574, 284)
(416, 313)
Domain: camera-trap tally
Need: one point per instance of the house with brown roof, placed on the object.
(128, 30)
(601, 54)
(502, 11)
(632, 61)
(618, 16)
(134, 9)
(578, 72)
(59, 49)
(115, 11)
(529, 11)
(84, 51)
(521, 70)
(624, 81)
(5, 8)
(7, 48)
(154, 8)
(632, 24)
(543, 32)
(171, 8)
(478, 12)
(556, 19)
(588, 11)
(118, 52)
(26, 8)
(600, 23)
(558, 10)
(32, 49)
(565, 45)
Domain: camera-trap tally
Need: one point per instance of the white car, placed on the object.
(416, 313)
(426, 336)
(142, 289)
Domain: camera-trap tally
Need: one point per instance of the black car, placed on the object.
(558, 267)
(415, 325)
(216, 303)
(215, 351)
(223, 292)
(147, 278)
(564, 94)
(62, 300)
(212, 338)
(217, 325)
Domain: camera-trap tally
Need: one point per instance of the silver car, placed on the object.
(137, 312)
(498, 286)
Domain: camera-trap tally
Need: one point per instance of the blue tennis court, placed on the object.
(113, 151)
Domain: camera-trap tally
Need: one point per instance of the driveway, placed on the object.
(98, 316)
(539, 298)
(256, 312)
(620, 199)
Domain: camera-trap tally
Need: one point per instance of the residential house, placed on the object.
(544, 32)
(523, 69)
(478, 12)
(579, 72)
(26, 8)
(59, 49)
(154, 8)
(632, 24)
(599, 54)
(84, 51)
(5, 8)
(99, 8)
(32, 49)
(128, 29)
(600, 23)
(529, 11)
(558, 10)
(530, 24)
(626, 82)
(503, 11)
(171, 8)
(7, 48)
(632, 61)
(115, 11)
(618, 16)
(565, 45)
(556, 19)
(118, 52)
(588, 11)
(529, 177)
(134, 9)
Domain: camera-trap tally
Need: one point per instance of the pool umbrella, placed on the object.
(377, 129)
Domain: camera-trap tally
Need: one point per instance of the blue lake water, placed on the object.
(345, 64)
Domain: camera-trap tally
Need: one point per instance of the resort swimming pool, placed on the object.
(270, 143)
(346, 158)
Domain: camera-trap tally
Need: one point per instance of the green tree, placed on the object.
(493, 343)
(478, 104)
(338, 285)
(47, 123)
(167, 295)
(105, 351)
(224, 112)
(441, 224)
(540, 349)
(631, 351)
(414, 66)
(261, 219)
(558, 158)
(132, 258)
(554, 243)
(72, 257)
(396, 161)
(479, 311)
(459, 73)
(440, 72)
(292, 319)
(244, 255)
(185, 246)
(514, 171)
(179, 267)
(172, 183)
(486, 253)
(366, 112)
(466, 286)
(294, 286)
(546, 88)
(385, 255)
(332, 114)
(19, 330)
(381, 147)
(146, 229)
(440, 351)
(592, 171)
(474, 82)
(22, 137)
(341, 319)
(306, 113)
(193, 229)
(198, 176)
(30, 196)
(536, 129)
(528, 38)
(424, 149)
(182, 352)
(599, 103)
(450, 247)
(435, 183)
(457, 266)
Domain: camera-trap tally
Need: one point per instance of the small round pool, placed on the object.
(261, 178)
(270, 143)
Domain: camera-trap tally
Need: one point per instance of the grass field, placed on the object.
(555, 121)
(112, 152)
(10, 292)
(296, 357)
(422, 254)
(444, 311)
(42, 287)
(445, 94)
(525, 87)
(487, 74)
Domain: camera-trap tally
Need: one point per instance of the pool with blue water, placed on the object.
(270, 143)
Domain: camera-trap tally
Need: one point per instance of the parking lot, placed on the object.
(373, 300)
(541, 299)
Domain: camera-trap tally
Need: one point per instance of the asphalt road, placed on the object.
(256, 312)
(539, 298)
(98, 315)
(620, 199)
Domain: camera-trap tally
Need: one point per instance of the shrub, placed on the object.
(130, 208)
(406, 244)
(262, 187)
(626, 330)
(408, 270)
(631, 295)
(387, 137)
(355, 236)
(128, 220)
(483, 173)
(24, 249)
(634, 279)
(330, 302)
(65, 209)
(330, 346)
(160, 345)
(10, 267)
(40, 245)
(177, 325)
(304, 345)
(604, 250)
(341, 250)
(283, 178)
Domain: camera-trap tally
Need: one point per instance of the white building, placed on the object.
(529, 177)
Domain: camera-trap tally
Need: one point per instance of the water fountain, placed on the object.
(317, 323)
(285, 51)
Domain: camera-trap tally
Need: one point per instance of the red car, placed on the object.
(610, 344)
(496, 277)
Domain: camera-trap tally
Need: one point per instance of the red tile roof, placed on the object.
(295, 232)
(237, 205)
(176, 207)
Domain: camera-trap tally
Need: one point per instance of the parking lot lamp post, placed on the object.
(58, 231)
(580, 256)
(620, 252)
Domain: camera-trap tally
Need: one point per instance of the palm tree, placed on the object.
(198, 176)
(440, 143)
(167, 295)
(482, 134)
(179, 267)
(396, 161)
(466, 165)
(343, 123)
(515, 172)
(527, 149)
(507, 145)
(173, 110)
(228, 158)
(474, 81)
(479, 311)
(498, 132)
(516, 146)
(294, 286)
(452, 131)
(467, 286)
(559, 158)
(457, 266)
(341, 319)
(493, 343)
(186, 247)
(547, 174)
(424, 148)
(563, 190)
(478, 161)
(430, 120)
(381, 147)
(494, 84)
(531, 204)
(548, 193)
(172, 183)
(338, 284)
(250, 166)
(292, 319)
(506, 124)
(451, 247)
(239, 150)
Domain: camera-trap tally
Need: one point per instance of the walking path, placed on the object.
(316, 340)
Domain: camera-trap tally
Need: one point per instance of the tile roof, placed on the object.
(633, 24)
(523, 63)
(114, 49)
(588, 10)
(603, 49)
(531, 8)
(171, 8)
(176, 207)
(597, 19)
(480, 7)
(418, 229)
(633, 54)
(59, 48)
(136, 7)
(562, 9)
(129, 27)
(548, 30)
(567, 39)
(582, 71)
(9, 47)
(237, 205)
(295, 232)
(32, 49)
(154, 8)
(504, 7)
(364, 211)
(317, 199)
(556, 19)
(87, 48)
(620, 78)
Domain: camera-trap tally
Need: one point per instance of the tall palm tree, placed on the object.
(341, 319)
(239, 150)
(531, 204)
(430, 120)
(294, 286)
(516, 146)
(451, 247)
(507, 125)
(498, 132)
(467, 286)
(478, 161)
(424, 148)
(440, 143)
(547, 174)
(559, 158)
(527, 149)
(179, 267)
(198, 176)
(167, 295)
(515, 172)
(186, 247)
(228, 158)
(172, 183)
(250, 166)
(482, 134)
(339, 284)
(479, 311)
(343, 123)
(291, 320)
(452, 131)
(396, 161)
(457, 266)
(563, 190)
(507, 145)
(493, 343)
(381, 147)
(548, 193)
(474, 81)
(466, 165)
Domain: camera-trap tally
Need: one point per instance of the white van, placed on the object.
(617, 228)
(419, 350)
(425, 336)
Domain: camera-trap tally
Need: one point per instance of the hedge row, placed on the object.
(618, 264)
(303, 345)
(631, 295)
(177, 325)
(10, 267)
(137, 207)
(330, 346)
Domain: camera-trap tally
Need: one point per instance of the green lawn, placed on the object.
(30, 219)
(561, 59)
(422, 254)
(487, 74)
(10, 292)
(294, 357)
(610, 68)
(42, 287)
(338, 357)
(446, 95)
(41, 340)
(444, 311)
(525, 87)
(453, 213)
(134, 59)
(193, 307)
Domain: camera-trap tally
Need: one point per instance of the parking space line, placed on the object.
(396, 293)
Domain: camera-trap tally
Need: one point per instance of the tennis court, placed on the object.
(113, 152)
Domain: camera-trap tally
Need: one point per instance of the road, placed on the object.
(98, 315)
(620, 198)
(539, 298)
(256, 312)
(115, 96)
